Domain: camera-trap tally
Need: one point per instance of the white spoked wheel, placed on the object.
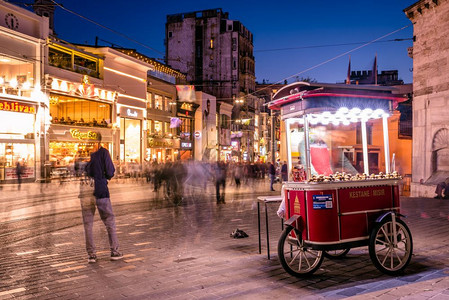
(336, 253)
(296, 258)
(391, 246)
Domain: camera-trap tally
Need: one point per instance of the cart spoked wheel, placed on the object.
(336, 253)
(296, 258)
(391, 246)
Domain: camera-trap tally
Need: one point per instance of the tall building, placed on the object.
(216, 54)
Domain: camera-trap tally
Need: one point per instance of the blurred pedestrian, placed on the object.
(237, 172)
(101, 169)
(220, 181)
(19, 172)
(284, 171)
(272, 172)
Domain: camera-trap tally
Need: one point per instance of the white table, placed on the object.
(266, 200)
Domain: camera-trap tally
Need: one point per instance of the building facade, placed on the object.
(430, 94)
(22, 105)
(81, 110)
(162, 125)
(216, 54)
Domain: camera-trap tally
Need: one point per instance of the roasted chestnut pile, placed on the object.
(348, 177)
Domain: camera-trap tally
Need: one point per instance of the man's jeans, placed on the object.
(88, 205)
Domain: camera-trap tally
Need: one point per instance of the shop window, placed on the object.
(167, 104)
(85, 66)
(130, 150)
(60, 59)
(167, 129)
(11, 153)
(16, 76)
(73, 111)
(171, 103)
(158, 102)
(72, 60)
(149, 101)
(158, 127)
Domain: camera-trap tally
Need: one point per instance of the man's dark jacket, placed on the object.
(101, 169)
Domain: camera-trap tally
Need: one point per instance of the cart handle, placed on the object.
(292, 220)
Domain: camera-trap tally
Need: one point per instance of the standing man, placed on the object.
(272, 172)
(101, 169)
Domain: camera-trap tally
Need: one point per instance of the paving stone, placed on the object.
(189, 254)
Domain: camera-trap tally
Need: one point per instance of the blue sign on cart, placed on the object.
(322, 201)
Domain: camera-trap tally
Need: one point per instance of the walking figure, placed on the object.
(19, 172)
(220, 181)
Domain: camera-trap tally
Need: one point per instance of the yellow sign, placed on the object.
(297, 206)
(17, 107)
(90, 135)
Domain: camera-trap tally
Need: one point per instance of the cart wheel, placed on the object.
(390, 256)
(298, 260)
(336, 253)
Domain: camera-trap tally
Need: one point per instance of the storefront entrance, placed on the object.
(130, 137)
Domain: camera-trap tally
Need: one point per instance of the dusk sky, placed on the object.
(315, 30)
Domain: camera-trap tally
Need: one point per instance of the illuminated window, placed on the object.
(59, 58)
(71, 60)
(166, 104)
(74, 111)
(158, 102)
(16, 75)
(158, 127)
(212, 43)
(167, 128)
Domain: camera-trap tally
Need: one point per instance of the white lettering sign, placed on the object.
(131, 113)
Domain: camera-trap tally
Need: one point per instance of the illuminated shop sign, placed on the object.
(89, 135)
(186, 144)
(127, 112)
(17, 107)
(131, 113)
(166, 143)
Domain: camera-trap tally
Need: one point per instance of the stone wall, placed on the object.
(430, 88)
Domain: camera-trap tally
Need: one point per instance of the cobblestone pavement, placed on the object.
(185, 252)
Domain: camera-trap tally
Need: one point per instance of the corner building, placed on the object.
(22, 104)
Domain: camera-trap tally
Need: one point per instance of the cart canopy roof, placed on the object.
(303, 97)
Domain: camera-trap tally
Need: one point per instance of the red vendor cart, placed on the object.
(346, 198)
